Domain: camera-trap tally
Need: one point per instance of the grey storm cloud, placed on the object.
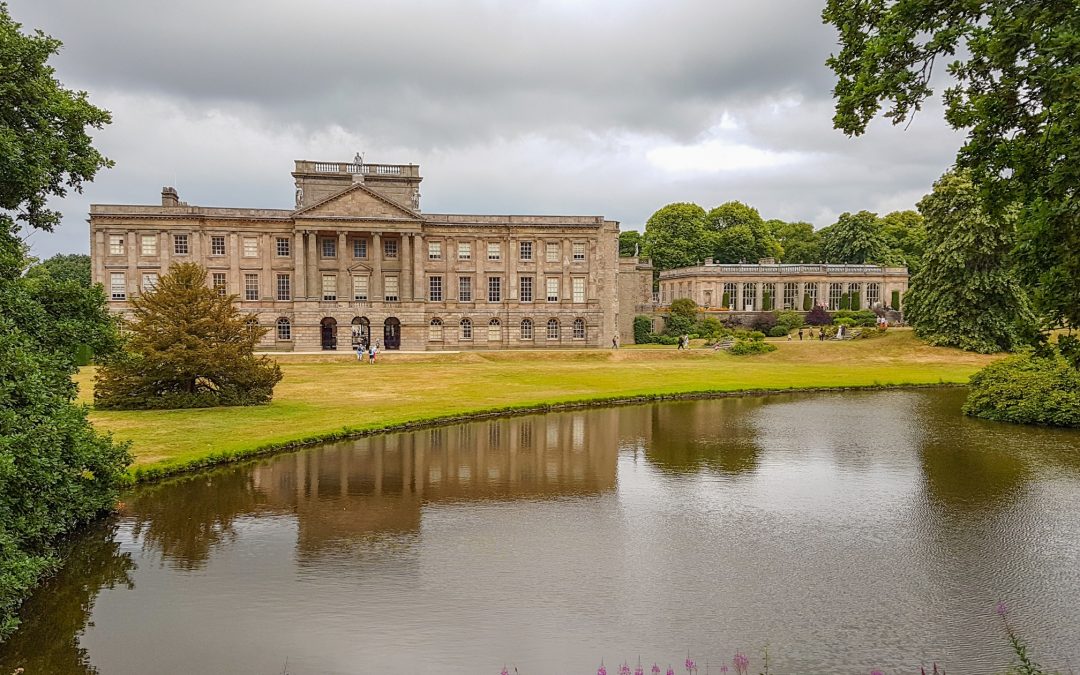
(613, 107)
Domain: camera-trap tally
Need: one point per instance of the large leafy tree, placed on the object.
(630, 242)
(799, 241)
(1013, 69)
(187, 347)
(855, 238)
(55, 471)
(738, 234)
(905, 235)
(64, 267)
(675, 236)
(967, 295)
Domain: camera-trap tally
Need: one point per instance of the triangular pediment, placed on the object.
(358, 201)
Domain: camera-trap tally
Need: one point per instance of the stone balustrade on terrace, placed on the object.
(402, 170)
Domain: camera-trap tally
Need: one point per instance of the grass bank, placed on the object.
(323, 397)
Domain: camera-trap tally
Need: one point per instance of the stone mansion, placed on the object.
(357, 260)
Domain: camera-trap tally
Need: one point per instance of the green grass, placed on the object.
(330, 396)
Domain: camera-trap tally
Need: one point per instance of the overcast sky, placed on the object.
(612, 107)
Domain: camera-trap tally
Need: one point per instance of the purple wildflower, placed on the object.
(670, 670)
(504, 671)
(741, 663)
(601, 670)
(876, 672)
(624, 669)
(1001, 609)
(690, 665)
(655, 669)
(639, 671)
(723, 669)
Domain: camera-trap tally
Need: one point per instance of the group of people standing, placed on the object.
(372, 351)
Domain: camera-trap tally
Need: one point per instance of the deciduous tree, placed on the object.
(855, 239)
(675, 236)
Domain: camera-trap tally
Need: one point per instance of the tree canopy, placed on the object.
(1013, 89)
(856, 239)
(675, 236)
(967, 294)
(630, 242)
(187, 347)
(738, 234)
(798, 240)
(56, 472)
(73, 267)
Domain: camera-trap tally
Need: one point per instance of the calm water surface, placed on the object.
(846, 531)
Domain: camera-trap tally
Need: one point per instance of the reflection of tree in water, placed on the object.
(55, 617)
(718, 435)
(185, 519)
(966, 466)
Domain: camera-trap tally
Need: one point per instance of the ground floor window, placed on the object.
(435, 330)
(526, 329)
(494, 330)
(835, 293)
(284, 329)
(873, 295)
(553, 329)
(730, 298)
(466, 329)
(791, 295)
(579, 329)
(749, 295)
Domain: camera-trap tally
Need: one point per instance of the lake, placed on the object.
(844, 531)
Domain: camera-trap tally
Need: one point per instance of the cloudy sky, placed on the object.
(608, 107)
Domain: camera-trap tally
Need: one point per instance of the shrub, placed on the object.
(665, 340)
(642, 329)
(188, 347)
(855, 301)
(710, 326)
(1027, 388)
(844, 321)
(845, 301)
(725, 301)
(895, 299)
(677, 324)
(764, 321)
(766, 301)
(818, 317)
(807, 303)
(790, 319)
(863, 317)
(745, 347)
(778, 331)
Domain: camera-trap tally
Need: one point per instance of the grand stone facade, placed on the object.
(358, 261)
(746, 288)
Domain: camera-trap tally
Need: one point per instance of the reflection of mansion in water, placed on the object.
(357, 257)
(380, 483)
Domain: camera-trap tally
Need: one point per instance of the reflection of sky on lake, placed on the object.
(872, 529)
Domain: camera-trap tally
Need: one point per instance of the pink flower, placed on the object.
(601, 670)
(624, 669)
(741, 663)
(1001, 609)
(690, 665)
(876, 672)
(670, 670)
(504, 671)
(655, 669)
(723, 669)
(639, 671)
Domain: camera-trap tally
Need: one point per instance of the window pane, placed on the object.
(435, 330)
(284, 329)
(579, 250)
(464, 251)
(251, 286)
(117, 289)
(149, 281)
(391, 293)
(464, 289)
(116, 244)
(466, 329)
(552, 249)
(149, 244)
(329, 287)
(217, 282)
(579, 329)
(553, 329)
(180, 244)
(552, 290)
(494, 289)
(360, 288)
(217, 246)
(284, 290)
(435, 289)
(283, 247)
(329, 248)
(359, 248)
(494, 252)
(525, 248)
(579, 289)
(390, 248)
(526, 329)
(526, 284)
(434, 250)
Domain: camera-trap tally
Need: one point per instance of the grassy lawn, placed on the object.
(323, 395)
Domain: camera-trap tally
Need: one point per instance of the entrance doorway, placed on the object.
(361, 332)
(392, 333)
(329, 332)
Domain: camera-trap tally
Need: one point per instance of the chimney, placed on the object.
(169, 197)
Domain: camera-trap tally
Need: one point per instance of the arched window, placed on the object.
(553, 329)
(466, 329)
(284, 329)
(435, 330)
(494, 330)
(526, 329)
(873, 295)
(579, 329)
(252, 323)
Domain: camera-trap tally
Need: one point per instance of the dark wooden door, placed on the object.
(392, 334)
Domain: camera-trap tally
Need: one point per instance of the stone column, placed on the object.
(133, 280)
(164, 250)
(513, 251)
(234, 283)
(405, 276)
(451, 282)
(314, 280)
(269, 292)
(419, 265)
(99, 252)
(344, 283)
(823, 293)
(480, 282)
(300, 291)
(375, 286)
